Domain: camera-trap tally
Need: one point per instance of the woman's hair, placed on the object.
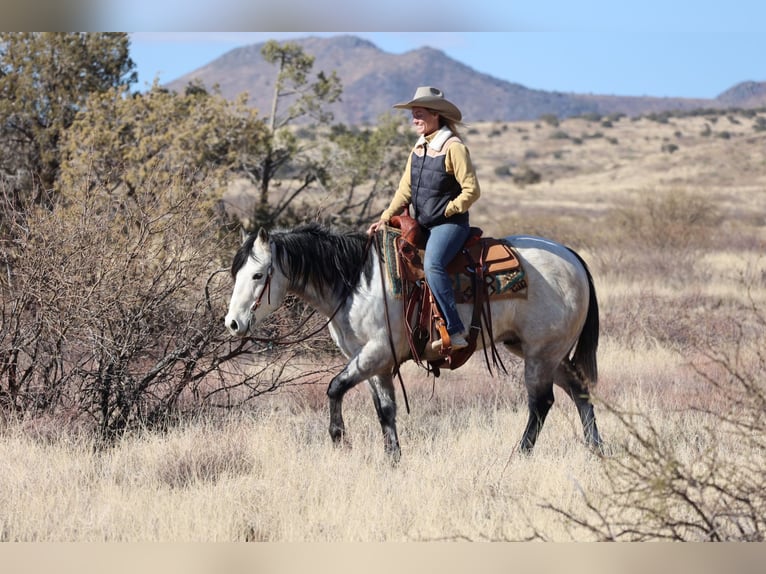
(451, 124)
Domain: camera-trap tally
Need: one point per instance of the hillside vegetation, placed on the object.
(589, 167)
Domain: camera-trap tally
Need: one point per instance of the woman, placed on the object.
(440, 184)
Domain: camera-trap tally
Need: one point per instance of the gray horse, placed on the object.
(555, 328)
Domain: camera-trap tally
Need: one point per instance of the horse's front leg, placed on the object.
(337, 427)
(382, 387)
(372, 359)
(383, 397)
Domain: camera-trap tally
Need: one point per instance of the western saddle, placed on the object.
(485, 268)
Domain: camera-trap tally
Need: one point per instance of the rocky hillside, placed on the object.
(373, 80)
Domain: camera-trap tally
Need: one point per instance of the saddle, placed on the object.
(484, 269)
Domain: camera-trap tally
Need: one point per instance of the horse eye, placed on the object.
(257, 276)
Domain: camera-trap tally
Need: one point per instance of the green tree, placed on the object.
(296, 98)
(45, 79)
(122, 143)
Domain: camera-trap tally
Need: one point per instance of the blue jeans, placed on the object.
(444, 242)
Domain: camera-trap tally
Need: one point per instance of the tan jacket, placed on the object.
(457, 162)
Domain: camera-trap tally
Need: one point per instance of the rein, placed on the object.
(396, 371)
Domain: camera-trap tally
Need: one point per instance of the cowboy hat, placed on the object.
(432, 99)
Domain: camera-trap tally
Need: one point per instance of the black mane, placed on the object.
(312, 254)
(240, 257)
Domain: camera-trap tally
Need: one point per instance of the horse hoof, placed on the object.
(600, 449)
(339, 438)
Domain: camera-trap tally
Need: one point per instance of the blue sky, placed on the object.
(677, 48)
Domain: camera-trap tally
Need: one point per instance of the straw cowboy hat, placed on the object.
(432, 99)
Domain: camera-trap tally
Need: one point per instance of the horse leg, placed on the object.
(383, 396)
(337, 427)
(371, 359)
(568, 380)
(538, 378)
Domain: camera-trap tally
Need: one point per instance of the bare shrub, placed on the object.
(109, 318)
(677, 219)
(664, 483)
(659, 235)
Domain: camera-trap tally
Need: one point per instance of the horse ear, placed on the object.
(263, 235)
(242, 234)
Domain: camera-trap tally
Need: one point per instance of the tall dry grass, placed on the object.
(272, 475)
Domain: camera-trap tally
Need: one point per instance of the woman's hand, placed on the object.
(375, 226)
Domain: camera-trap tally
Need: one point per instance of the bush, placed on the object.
(660, 118)
(505, 170)
(550, 119)
(108, 319)
(525, 175)
(531, 154)
(674, 486)
(591, 117)
(673, 221)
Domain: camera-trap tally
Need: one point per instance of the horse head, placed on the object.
(258, 287)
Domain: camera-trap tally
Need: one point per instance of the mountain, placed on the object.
(373, 80)
(745, 95)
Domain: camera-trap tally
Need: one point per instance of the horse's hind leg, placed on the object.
(568, 380)
(383, 396)
(538, 378)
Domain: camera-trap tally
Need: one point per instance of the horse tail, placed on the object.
(584, 357)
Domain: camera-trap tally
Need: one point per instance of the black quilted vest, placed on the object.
(432, 189)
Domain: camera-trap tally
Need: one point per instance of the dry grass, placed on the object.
(272, 474)
(269, 472)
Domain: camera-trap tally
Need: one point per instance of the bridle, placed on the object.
(266, 287)
(284, 339)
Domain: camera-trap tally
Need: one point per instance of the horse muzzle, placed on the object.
(237, 327)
